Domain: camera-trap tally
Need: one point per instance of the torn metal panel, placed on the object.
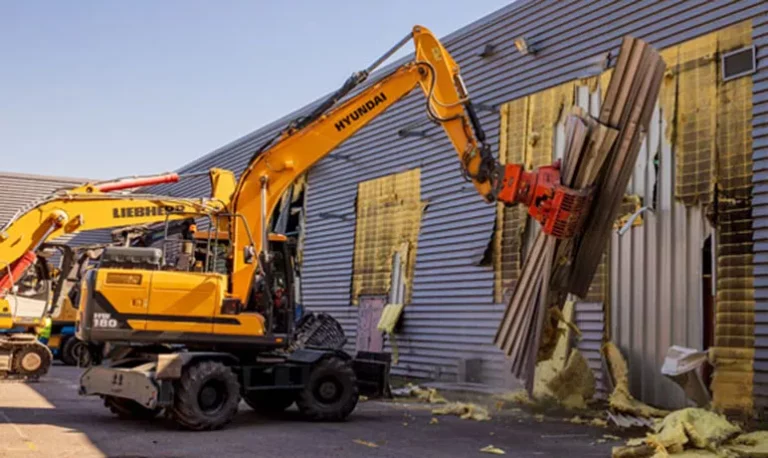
(629, 206)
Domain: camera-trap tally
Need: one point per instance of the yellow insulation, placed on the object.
(389, 213)
(696, 120)
(547, 370)
(574, 386)
(621, 399)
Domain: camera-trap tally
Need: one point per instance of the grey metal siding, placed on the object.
(589, 317)
(656, 275)
(453, 314)
(760, 206)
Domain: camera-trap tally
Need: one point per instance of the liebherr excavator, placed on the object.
(26, 282)
(198, 342)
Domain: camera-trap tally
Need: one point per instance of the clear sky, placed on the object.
(99, 89)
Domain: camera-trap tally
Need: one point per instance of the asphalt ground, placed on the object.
(49, 419)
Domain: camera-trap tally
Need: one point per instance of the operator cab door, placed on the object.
(184, 301)
(268, 311)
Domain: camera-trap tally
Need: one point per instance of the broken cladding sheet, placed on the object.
(600, 155)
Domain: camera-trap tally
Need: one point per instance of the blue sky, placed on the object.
(99, 89)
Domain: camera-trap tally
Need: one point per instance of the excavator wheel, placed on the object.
(207, 396)
(270, 402)
(32, 360)
(75, 352)
(129, 409)
(331, 393)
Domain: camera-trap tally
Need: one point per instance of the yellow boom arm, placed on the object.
(87, 207)
(301, 145)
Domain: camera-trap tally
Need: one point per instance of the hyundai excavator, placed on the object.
(193, 342)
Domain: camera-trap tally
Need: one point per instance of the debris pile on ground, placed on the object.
(516, 397)
(430, 395)
(575, 384)
(753, 444)
(464, 410)
(493, 450)
(621, 399)
(577, 420)
(695, 432)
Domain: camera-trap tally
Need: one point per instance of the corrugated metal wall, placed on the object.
(453, 314)
(589, 317)
(656, 275)
(760, 206)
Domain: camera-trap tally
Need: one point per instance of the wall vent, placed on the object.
(739, 63)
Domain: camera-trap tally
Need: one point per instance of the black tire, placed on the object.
(75, 352)
(32, 360)
(129, 409)
(270, 402)
(207, 396)
(331, 393)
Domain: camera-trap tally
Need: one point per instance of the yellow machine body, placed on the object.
(155, 305)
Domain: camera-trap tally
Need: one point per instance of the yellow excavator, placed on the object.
(29, 287)
(194, 341)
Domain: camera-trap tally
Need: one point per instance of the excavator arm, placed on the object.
(98, 206)
(306, 141)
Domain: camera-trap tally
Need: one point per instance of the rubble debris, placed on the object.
(628, 421)
(692, 432)
(464, 410)
(575, 384)
(434, 421)
(621, 399)
(611, 437)
(636, 451)
(518, 397)
(598, 422)
(366, 443)
(493, 450)
(577, 420)
(548, 368)
(680, 365)
(430, 395)
(753, 444)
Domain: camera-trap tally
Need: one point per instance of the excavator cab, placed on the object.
(177, 291)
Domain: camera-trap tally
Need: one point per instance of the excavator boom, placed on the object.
(302, 145)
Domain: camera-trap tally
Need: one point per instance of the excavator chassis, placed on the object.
(324, 383)
(23, 356)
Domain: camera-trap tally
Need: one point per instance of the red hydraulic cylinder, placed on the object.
(7, 279)
(138, 182)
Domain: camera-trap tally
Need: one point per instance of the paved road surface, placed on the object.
(49, 419)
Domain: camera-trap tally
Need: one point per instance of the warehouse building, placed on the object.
(388, 215)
